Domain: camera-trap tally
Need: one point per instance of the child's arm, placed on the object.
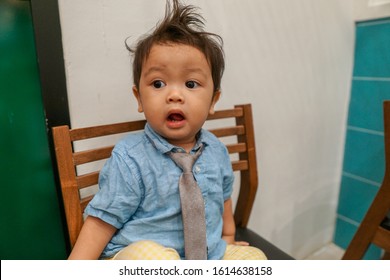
(93, 238)
(229, 227)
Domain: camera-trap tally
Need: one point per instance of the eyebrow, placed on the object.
(154, 69)
(196, 70)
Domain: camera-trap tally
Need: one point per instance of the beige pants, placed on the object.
(150, 250)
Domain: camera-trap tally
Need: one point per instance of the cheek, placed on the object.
(148, 101)
(152, 108)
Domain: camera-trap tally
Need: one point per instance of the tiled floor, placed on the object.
(328, 252)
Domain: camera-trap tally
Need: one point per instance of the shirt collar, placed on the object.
(162, 145)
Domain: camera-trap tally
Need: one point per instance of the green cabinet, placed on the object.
(30, 219)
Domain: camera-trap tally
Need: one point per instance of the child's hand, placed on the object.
(241, 243)
(230, 240)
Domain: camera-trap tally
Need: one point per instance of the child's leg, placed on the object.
(146, 250)
(236, 252)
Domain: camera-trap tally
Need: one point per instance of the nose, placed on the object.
(175, 96)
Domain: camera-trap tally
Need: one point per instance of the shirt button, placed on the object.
(197, 169)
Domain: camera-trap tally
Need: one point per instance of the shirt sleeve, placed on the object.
(118, 189)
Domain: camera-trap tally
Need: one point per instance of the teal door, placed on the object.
(364, 155)
(30, 220)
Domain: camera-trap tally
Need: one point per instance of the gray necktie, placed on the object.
(192, 206)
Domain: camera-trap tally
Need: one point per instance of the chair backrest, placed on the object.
(371, 229)
(73, 182)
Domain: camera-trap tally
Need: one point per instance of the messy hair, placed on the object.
(181, 25)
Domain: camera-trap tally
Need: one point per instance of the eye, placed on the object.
(192, 84)
(158, 84)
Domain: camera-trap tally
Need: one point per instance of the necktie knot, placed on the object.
(184, 160)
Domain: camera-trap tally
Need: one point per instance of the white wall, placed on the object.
(292, 59)
(371, 9)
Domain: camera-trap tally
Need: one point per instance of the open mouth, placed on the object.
(176, 117)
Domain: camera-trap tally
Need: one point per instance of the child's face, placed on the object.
(176, 92)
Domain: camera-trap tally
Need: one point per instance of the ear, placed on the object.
(138, 97)
(214, 101)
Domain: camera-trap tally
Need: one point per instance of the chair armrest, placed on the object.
(255, 240)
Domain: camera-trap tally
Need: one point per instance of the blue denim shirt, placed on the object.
(139, 195)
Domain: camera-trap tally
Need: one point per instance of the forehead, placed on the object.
(176, 55)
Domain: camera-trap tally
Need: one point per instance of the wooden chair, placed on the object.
(372, 229)
(72, 183)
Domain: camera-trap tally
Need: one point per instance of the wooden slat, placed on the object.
(240, 165)
(382, 238)
(229, 113)
(228, 131)
(84, 202)
(236, 148)
(87, 180)
(92, 155)
(103, 130)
